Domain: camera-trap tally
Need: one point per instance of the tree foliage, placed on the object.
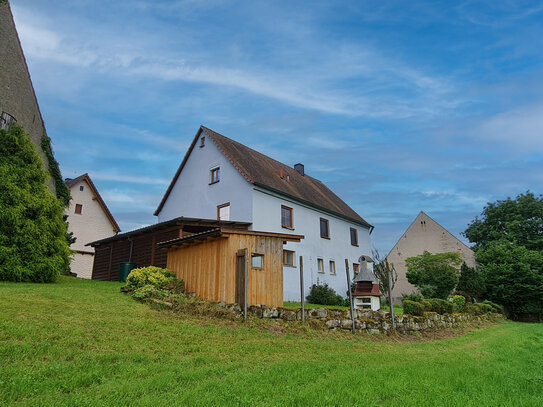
(514, 278)
(517, 221)
(435, 275)
(33, 244)
(471, 281)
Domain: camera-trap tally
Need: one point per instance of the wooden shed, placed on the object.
(140, 246)
(213, 265)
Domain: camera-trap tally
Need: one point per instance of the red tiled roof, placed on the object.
(373, 292)
(263, 171)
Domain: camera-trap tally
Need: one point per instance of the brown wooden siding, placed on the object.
(209, 268)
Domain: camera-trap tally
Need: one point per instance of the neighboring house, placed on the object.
(423, 235)
(89, 219)
(18, 101)
(222, 179)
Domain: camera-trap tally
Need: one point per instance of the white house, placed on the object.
(89, 219)
(223, 179)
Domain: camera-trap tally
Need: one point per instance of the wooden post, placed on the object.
(350, 293)
(302, 302)
(110, 260)
(246, 276)
(390, 302)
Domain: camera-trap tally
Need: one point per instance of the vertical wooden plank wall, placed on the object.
(209, 269)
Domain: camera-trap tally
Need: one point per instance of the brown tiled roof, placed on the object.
(85, 177)
(263, 171)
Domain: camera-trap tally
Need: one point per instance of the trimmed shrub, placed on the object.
(495, 307)
(156, 277)
(441, 306)
(324, 295)
(412, 307)
(478, 309)
(427, 305)
(459, 302)
(149, 291)
(412, 297)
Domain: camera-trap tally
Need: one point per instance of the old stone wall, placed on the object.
(372, 322)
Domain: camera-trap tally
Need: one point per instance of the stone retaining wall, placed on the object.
(372, 322)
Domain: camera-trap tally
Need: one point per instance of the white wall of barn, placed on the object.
(193, 196)
(267, 217)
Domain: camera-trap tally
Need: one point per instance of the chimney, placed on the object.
(300, 168)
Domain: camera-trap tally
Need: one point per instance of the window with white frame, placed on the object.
(223, 211)
(332, 267)
(320, 265)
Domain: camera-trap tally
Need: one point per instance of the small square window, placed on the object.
(325, 229)
(286, 217)
(288, 258)
(257, 261)
(332, 267)
(354, 237)
(320, 265)
(366, 300)
(223, 211)
(78, 209)
(215, 175)
(81, 188)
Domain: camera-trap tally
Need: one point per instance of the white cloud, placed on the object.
(128, 178)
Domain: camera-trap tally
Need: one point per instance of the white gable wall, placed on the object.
(192, 196)
(267, 217)
(93, 224)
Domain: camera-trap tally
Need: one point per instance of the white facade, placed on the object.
(193, 195)
(89, 225)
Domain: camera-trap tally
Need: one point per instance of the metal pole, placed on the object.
(350, 293)
(390, 303)
(246, 277)
(302, 302)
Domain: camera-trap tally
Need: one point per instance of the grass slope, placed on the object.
(82, 343)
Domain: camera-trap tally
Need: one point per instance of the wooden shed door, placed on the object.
(240, 277)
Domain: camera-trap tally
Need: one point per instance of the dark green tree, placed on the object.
(471, 281)
(33, 244)
(435, 275)
(517, 221)
(514, 278)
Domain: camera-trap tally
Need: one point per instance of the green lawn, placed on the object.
(81, 343)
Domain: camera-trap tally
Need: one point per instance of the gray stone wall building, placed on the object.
(17, 97)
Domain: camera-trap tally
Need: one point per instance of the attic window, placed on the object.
(81, 188)
(325, 229)
(354, 237)
(6, 120)
(202, 142)
(78, 209)
(215, 175)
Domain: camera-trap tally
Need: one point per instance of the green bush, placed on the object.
(156, 277)
(478, 309)
(412, 307)
(459, 302)
(412, 297)
(324, 295)
(495, 307)
(33, 245)
(427, 305)
(441, 306)
(149, 291)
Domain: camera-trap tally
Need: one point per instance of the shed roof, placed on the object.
(180, 221)
(265, 172)
(70, 182)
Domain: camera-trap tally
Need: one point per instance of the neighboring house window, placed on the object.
(223, 211)
(81, 188)
(202, 141)
(6, 120)
(78, 208)
(215, 175)
(325, 230)
(356, 268)
(354, 237)
(257, 261)
(288, 258)
(332, 267)
(320, 265)
(286, 217)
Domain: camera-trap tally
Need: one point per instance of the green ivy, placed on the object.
(63, 193)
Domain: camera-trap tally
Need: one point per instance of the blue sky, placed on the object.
(397, 106)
